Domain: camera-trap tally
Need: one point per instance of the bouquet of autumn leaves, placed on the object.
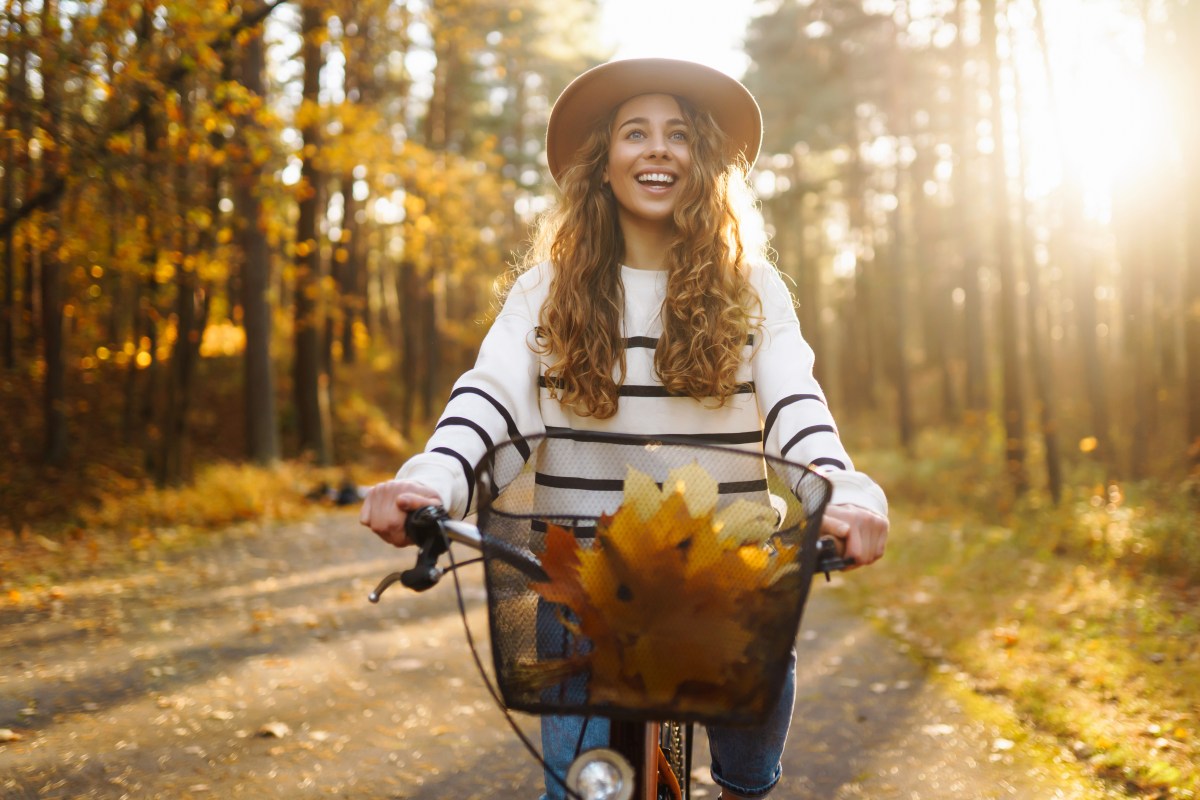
(675, 604)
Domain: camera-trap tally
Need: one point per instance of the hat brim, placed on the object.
(588, 98)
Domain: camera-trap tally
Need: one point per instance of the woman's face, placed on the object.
(649, 158)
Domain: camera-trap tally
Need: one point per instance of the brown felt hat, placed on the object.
(588, 98)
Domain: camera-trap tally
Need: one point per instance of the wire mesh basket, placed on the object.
(675, 575)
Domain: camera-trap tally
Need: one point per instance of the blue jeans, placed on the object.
(744, 760)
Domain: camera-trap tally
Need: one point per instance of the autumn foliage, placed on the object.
(675, 604)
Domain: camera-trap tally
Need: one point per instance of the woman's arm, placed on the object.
(798, 425)
(496, 400)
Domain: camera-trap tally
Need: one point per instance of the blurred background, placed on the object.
(249, 244)
(247, 232)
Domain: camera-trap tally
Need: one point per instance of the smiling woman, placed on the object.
(645, 307)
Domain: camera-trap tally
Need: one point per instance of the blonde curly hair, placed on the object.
(710, 307)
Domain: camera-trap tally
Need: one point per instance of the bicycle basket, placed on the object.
(676, 575)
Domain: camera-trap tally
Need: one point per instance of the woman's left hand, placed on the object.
(862, 533)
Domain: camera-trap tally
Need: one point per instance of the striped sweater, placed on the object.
(779, 408)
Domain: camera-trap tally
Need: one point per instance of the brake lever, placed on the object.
(424, 528)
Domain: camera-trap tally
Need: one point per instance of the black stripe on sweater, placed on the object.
(651, 342)
(468, 470)
(618, 485)
(513, 431)
(639, 390)
(732, 437)
(580, 531)
(809, 431)
(449, 422)
(828, 462)
(782, 404)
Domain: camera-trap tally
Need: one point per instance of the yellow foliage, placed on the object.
(669, 606)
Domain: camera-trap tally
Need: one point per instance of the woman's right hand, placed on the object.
(386, 505)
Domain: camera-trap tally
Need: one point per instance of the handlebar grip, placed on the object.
(424, 529)
(829, 559)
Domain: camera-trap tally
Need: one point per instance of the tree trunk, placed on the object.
(792, 233)
(1037, 331)
(351, 272)
(1189, 36)
(25, 314)
(1010, 331)
(55, 396)
(15, 91)
(140, 390)
(858, 381)
(967, 219)
(897, 258)
(897, 251)
(933, 287)
(262, 425)
(191, 315)
(408, 288)
(1071, 252)
(310, 380)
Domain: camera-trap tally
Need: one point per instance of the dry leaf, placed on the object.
(667, 604)
(699, 489)
(277, 730)
(746, 522)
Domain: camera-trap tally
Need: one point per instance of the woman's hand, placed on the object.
(386, 505)
(862, 533)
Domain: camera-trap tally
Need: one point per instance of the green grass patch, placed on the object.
(1082, 617)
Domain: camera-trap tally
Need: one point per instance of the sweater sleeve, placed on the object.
(797, 423)
(494, 401)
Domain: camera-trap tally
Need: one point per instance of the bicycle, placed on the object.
(560, 516)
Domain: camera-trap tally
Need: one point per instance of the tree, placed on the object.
(262, 426)
(1189, 30)
(1010, 331)
(968, 217)
(55, 398)
(1037, 330)
(311, 383)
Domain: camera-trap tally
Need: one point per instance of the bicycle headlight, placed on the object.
(601, 774)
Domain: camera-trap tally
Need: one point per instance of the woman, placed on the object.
(647, 306)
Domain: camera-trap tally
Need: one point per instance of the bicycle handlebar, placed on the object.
(432, 530)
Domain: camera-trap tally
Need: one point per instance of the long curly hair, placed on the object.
(710, 307)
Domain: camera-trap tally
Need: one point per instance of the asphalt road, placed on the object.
(255, 668)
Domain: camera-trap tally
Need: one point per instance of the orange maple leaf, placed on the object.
(667, 604)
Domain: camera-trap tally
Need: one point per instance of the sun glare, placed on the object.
(707, 31)
(1108, 108)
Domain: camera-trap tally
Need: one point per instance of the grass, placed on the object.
(102, 514)
(1083, 618)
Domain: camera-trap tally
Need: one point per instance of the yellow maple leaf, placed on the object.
(670, 597)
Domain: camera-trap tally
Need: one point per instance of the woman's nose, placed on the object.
(657, 146)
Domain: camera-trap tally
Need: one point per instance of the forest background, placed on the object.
(247, 247)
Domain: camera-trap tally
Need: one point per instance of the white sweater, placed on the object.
(780, 409)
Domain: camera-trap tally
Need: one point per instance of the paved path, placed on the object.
(256, 669)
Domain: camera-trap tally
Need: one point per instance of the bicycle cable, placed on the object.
(487, 681)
